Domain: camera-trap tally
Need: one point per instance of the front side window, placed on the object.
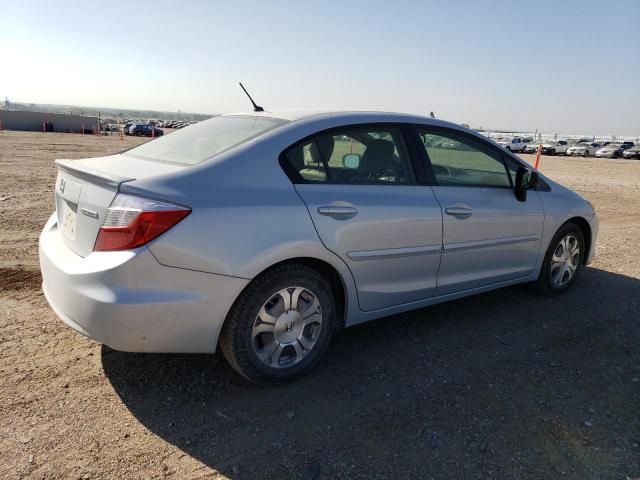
(463, 161)
(353, 155)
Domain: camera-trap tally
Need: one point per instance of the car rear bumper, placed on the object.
(130, 302)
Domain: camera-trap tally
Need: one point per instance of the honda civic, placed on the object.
(265, 233)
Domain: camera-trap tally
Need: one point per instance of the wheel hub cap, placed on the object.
(287, 327)
(564, 261)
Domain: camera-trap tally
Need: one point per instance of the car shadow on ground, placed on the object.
(498, 385)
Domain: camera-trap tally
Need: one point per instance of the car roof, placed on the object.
(293, 115)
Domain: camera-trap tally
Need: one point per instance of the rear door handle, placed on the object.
(337, 211)
(459, 210)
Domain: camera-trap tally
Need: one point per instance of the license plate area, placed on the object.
(67, 199)
(68, 219)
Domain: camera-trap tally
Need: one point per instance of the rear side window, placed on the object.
(457, 160)
(203, 140)
(361, 155)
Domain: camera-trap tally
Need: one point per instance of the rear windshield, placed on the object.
(194, 144)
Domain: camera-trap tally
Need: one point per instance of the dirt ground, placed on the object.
(502, 385)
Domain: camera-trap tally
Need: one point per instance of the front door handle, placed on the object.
(337, 211)
(459, 210)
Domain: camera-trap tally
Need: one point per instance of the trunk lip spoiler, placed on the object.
(74, 167)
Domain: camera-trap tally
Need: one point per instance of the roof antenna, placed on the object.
(256, 108)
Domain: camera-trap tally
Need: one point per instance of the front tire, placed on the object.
(281, 325)
(563, 261)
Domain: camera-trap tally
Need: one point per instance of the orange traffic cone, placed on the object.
(538, 157)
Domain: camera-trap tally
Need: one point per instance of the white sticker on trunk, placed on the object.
(69, 221)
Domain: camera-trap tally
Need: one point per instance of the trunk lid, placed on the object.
(85, 188)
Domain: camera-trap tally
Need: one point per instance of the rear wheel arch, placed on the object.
(324, 268)
(338, 286)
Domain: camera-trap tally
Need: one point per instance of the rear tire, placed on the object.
(563, 261)
(281, 325)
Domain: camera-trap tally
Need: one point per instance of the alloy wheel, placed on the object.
(287, 327)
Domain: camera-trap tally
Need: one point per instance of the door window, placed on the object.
(362, 155)
(463, 161)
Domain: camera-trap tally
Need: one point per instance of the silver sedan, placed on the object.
(584, 149)
(266, 233)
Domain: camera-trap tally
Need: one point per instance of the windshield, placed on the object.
(203, 140)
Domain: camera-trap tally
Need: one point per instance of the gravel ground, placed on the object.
(501, 385)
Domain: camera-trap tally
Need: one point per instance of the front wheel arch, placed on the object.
(585, 228)
(546, 284)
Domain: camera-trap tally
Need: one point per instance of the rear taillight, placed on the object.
(133, 221)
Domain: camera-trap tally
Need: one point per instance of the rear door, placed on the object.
(368, 206)
(488, 235)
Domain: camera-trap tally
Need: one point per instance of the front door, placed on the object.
(488, 235)
(360, 188)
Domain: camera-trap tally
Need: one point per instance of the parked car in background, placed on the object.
(264, 234)
(633, 152)
(584, 149)
(143, 130)
(532, 147)
(555, 147)
(515, 144)
(612, 150)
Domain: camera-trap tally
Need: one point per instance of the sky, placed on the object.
(555, 66)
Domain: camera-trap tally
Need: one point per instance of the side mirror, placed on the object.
(526, 179)
(351, 160)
